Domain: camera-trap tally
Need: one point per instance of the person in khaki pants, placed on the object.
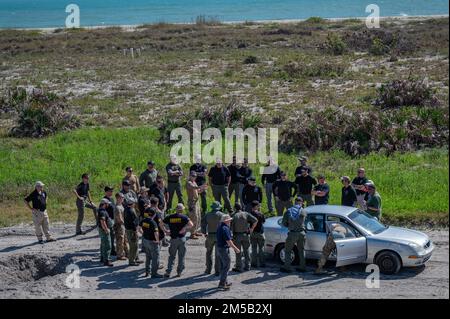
(193, 192)
(38, 207)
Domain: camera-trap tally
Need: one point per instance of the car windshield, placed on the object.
(367, 222)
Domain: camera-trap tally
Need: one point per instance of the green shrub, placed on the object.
(335, 45)
(409, 92)
(38, 113)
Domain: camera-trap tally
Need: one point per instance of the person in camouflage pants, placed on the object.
(119, 228)
(334, 230)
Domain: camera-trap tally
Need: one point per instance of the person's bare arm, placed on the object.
(188, 225)
(28, 205)
(104, 226)
(232, 245)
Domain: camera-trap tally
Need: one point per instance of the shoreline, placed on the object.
(132, 27)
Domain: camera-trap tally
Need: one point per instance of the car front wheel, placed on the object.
(388, 262)
(281, 255)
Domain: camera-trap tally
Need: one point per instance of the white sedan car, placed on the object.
(366, 241)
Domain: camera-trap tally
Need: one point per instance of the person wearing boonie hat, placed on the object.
(38, 207)
(373, 202)
(119, 228)
(321, 191)
(148, 177)
(250, 193)
(209, 225)
(224, 242)
(358, 184)
(348, 197)
(178, 224)
(105, 224)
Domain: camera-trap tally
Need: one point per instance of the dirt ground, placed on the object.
(31, 270)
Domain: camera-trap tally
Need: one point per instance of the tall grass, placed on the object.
(412, 184)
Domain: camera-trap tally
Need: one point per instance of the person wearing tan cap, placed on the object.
(224, 242)
(133, 179)
(38, 207)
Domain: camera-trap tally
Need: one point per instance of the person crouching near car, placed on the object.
(150, 242)
(294, 220)
(223, 245)
(38, 207)
(105, 225)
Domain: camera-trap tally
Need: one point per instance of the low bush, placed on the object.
(335, 45)
(230, 115)
(409, 92)
(38, 113)
(314, 70)
(251, 59)
(361, 132)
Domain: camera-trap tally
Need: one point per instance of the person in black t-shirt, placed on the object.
(303, 165)
(283, 190)
(321, 192)
(305, 184)
(201, 170)
(104, 223)
(110, 209)
(233, 187)
(38, 207)
(131, 222)
(358, 184)
(178, 225)
(160, 191)
(251, 192)
(348, 197)
(243, 174)
(150, 242)
(257, 239)
(83, 195)
(270, 176)
(219, 179)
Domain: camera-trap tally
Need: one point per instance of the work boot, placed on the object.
(108, 263)
(80, 232)
(224, 287)
(133, 264)
(166, 275)
(146, 274)
(50, 240)
(40, 241)
(207, 271)
(236, 270)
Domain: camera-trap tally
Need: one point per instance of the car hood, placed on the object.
(404, 235)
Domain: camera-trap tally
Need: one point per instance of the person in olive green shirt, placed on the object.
(373, 202)
(294, 219)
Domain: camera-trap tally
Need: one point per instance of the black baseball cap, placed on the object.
(150, 163)
(108, 189)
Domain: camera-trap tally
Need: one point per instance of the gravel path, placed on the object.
(30, 270)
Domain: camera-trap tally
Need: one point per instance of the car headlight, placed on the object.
(419, 249)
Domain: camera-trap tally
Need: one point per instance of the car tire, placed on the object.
(388, 262)
(279, 255)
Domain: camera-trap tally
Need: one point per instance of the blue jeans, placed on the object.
(225, 262)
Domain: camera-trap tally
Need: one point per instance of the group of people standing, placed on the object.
(142, 207)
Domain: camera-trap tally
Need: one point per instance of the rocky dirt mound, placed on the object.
(25, 268)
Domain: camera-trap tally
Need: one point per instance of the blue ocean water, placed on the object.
(51, 13)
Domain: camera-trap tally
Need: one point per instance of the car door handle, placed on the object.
(341, 245)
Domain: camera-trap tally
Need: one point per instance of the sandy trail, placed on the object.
(30, 270)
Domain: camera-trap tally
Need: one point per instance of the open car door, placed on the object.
(350, 247)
